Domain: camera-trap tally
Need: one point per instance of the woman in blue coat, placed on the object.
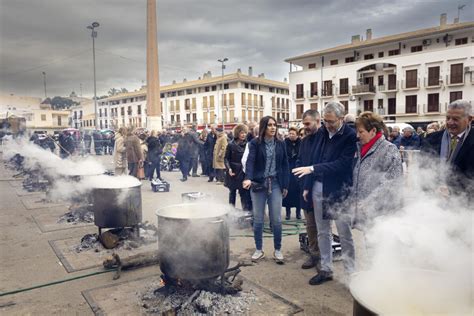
(267, 176)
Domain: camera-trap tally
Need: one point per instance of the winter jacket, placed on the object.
(308, 143)
(293, 197)
(154, 149)
(413, 142)
(233, 162)
(255, 165)
(133, 149)
(120, 152)
(332, 160)
(376, 179)
(209, 146)
(194, 149)
(219, 152)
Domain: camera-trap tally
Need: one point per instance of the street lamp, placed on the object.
(222, 61)
(94, 35)
(44, 83)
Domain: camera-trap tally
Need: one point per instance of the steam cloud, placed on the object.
(421, 255)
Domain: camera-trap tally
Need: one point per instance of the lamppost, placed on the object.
(44, 83)
(222, 61)
(94, 35)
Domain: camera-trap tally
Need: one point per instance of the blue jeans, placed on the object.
(274, 201)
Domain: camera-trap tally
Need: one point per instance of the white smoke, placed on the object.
(421, 256)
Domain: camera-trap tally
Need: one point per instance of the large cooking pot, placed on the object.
(117, 207)
(410, 292)
(193, 241)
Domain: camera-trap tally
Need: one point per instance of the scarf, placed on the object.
(366, 147)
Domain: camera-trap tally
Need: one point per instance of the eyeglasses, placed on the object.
(326, 122)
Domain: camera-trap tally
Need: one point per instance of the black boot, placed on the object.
(288, 213)
(298, 213)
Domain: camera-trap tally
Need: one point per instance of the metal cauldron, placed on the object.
(193, 241)
(410, 292)
(117, 207)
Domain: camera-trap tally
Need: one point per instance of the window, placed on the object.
(411, 78)
(460, 41)
(456, 74)
(346, 106)
(433, 102)
(314, 89)
(369, 105)
(272, 90)
(129, 110)
(368, 56)
(455, 95)
(214, 88)
(246, 85)
(417, 48)
(410, 104)
(312, 66)
(349, 60)
(392, 82)
(380, 80)
(59, 120)
(43, 117)
(380, 54)
(122, 111)
(206, 89)
(187, 105)
(344, 86)
(299, 91)
(299, 111)
(194, 117)
(226, 86)
(392, 106)
(393, 52)
(433, 76)
(334, 62)
(231, 99)
(189, 91)
(327, 88)
(314, 106)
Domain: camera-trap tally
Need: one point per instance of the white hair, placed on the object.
(461, 104)
(334, 107)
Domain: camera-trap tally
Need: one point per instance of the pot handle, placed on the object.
(217, 221)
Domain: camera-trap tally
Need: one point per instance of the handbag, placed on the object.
(259, 186)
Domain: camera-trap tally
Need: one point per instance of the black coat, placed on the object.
(209, 146)
(255, 166)
(155, 149)
(183, 152)
(233, 161)
(304, 159)
(332, 160)
(293, 197)
(462, 177)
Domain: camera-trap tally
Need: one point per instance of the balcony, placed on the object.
(298, 96)
(343, 91)
(433, 83)
(453, 81)
(389, 68)
(391, 87)
(432, 109)
(326, 93)
(312, 95)
(411, 85)
(363, 89)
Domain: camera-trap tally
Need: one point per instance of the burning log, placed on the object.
(139, 260)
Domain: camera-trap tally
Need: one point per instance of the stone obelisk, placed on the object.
(152, 74)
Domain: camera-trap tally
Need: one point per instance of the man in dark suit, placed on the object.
(455, 145)
(194, 150)
(327, 183)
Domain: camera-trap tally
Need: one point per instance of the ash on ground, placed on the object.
(187, 302)
(119, 238)
(76, 215)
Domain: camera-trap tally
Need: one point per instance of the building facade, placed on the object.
(409, 77)
(82, 115)
(228, 99)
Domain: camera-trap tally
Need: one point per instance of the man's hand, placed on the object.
(444, 191)
(231, 173)
(284, 193)
(305, 195)
(246, 184)
(302, 171)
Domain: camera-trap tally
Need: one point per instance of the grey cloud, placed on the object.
(192, 36)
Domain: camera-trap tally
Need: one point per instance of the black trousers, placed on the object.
(194, 164)
(184, 166)
(245, 198)
(133, 169)
(220, 174)
(154, 165)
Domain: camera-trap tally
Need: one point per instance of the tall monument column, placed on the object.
(152, 71)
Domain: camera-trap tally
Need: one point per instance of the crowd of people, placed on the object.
(336, 168)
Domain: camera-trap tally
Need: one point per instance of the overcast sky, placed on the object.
(51, 36)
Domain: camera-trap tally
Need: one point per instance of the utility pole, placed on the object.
(94, 35)
(44, 83)
(222, 61)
